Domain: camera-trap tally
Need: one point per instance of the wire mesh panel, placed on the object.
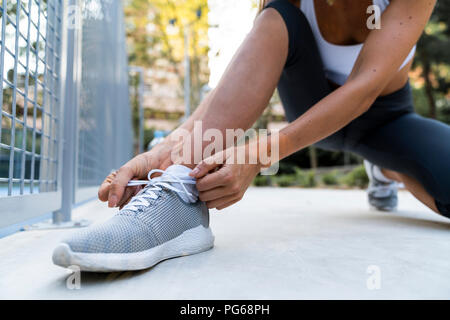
(30, 59)
(105, 129)
(39, 171)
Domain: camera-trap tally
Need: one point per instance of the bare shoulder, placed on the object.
(270, 21)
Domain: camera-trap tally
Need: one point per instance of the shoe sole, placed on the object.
(385, 206)
(191, 241)
(383, 209)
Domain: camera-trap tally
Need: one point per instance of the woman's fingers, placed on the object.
(114, 187)
(215, 193)
(118, 185)
(221, 177)
(103, 191)
(222, 202)
(226, 205)
(208, 164)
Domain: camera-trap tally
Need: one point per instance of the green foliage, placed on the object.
(306, 179)
(330, 178)
(286, 180)
(155, 36)
(356, 178)
(287, 167)
(262, 181)
(148, 136)
(309, 179)
(433, 62)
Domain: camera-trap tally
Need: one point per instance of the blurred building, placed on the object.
(163, 97)
(161, 37)
(228, 23)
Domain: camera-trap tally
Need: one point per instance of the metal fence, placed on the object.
(65, 118)
(105, 132)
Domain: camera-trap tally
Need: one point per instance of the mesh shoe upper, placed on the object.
(130, 231)
(119, 234)
(169, 216)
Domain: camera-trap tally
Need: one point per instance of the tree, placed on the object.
(433, 57)
(155, 33)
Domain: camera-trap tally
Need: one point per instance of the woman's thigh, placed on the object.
(416, 146)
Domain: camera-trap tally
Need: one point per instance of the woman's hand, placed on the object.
(221, 180)
(114, 189)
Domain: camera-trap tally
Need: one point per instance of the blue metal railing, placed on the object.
(65, 120)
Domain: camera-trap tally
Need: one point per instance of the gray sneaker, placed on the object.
(382, 195)
(156, 225)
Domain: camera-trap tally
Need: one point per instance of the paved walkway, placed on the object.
(275, 244)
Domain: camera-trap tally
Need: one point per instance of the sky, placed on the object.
(234, 19)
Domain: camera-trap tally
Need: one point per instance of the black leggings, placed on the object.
(389, 134)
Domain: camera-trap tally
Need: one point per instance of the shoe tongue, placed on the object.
(182, 172)
(179, 171)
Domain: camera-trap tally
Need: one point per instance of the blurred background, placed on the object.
(158, 33)
(88, 84)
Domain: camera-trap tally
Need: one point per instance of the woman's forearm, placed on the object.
(188, 125)
(198, 113)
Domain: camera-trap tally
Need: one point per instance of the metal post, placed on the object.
(70, 88)
(187, 75)
(70, 121)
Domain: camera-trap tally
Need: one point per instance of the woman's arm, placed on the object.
(381, 57)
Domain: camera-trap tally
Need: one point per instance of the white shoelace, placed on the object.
(154, 185)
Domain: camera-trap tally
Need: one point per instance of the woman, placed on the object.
(344, 86)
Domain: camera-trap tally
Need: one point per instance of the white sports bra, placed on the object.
(339, 60)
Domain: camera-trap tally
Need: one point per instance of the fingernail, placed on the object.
(194, 172)
(112, 201)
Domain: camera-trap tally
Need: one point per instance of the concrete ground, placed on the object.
(275, 244)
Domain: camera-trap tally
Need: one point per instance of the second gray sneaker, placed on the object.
(381, 195)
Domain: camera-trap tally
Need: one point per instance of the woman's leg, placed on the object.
(415, 151)
(413, 186)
